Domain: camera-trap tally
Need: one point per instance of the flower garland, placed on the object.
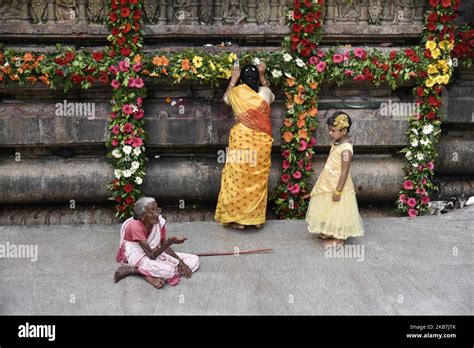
(424, 129)
(127, 136)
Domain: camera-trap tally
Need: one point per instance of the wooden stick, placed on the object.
(235, 253)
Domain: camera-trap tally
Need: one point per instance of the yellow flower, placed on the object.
(201, 76)
(211, 64)
(432, 69)
(442, 79)
(435, 53)
(227, 73)
(431, 45)
(446, 45)
(232, 57)
(429, 82)
(197, 61)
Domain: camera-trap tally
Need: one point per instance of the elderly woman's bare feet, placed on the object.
(123, 271)
(156, 282)
(237, 226)
(258, 226)
(332, 242)
(323, 236)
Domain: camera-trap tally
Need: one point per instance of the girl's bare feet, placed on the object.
(156, 282)
(237, 226)
(124, 271)
(333, 242)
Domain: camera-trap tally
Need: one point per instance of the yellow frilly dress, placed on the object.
(336, 219)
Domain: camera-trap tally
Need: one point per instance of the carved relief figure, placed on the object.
(205, 11)
(374, 10)
(233, 11)
(347, 11)
(150, 8)
(96, 10)
(65, 10)
(263, 12)
(10, 9)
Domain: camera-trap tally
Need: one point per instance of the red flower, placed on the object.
(433, 101)
(127, 28)
(128, 188)
(59, 72)
(115, 31)
(123, 2)
(434, 3)
(98, 56)
(446, 3)
(118, 199)
(409, 52)
(392, 55)
(120, 41)
(113, 16)
(295, 38)
(137, 14)
(420, 91)
(297, 15)
(114, 6)
(115, 182)
(121, 208)
(125, 12)
(309, 28)
(415, 58)
(297, 28)
(305, 52)
(60, 61)
(135, 39)
(134, 2)
(432, 17)
(69, 56)
(427, 53)
(90, 79)
(431, 115)
(127, 128)
(129, 200)
(125, 51)
(77, 79)
(431, 27)
(308, 3)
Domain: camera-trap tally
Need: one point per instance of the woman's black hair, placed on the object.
(249, 75)
(330, 121)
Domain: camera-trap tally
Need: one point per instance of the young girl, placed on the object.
(332, 211)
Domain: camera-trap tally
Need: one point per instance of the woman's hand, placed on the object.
(235, 73)
(261, 68)
(184, 269)
(336, 198)
(175, 240)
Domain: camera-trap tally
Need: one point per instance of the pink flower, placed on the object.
(115, 130)
(285, 178)
(115, 142)
(411, 202)
(360, 53)
(303, 145)
(420, 191)
(127, 128)
(423, 181)
(425, 199)
(135, 82)
(411, 212)
(115, 84)
(113, 70)
(321, 54)
(139, 101)
(420, 167)
(321, 66)
(137, 142)
(359, 77)
(348, 72)
(286, 153)
(300, 163)
(314, 60)
(127, 109)
(312, 142)
(403, 198)
(139, 114)
(286, 165)
(137, 67)
(113, 115)
(124, 66)
(308, 166)
(408, 185)
(297, 174)
(430, 166)
(294, 188)
(337, 58)
(128, 141)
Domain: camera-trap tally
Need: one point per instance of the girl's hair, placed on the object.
(330, 121)
(249, 76)
(140, 206)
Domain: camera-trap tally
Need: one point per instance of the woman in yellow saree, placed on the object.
(244, 185)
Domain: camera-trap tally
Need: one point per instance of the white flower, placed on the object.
(276, 73)
(127, 173)
(135, 165)
(134, 108)
(428, 129)
(415, 165)
(138, 180)
(414, 143)
(287, 57)
(173, 103)
(414, 131)
(424, 142)
(300, 62)
(408, 154)
(256, 61)
(137, 151)
(419, 157)
(288, 75)
(127, 149)
(290, 15)
(116, 153)
(118, 173)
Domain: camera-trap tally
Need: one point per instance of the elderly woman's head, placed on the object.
(146, 209)
(249, 75)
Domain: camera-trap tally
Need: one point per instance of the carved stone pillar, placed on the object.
(419, 11)
(218, 12)
(194, 12)
(163, 6)
(252, 11)
(363, 12)
(386, 17)
(51, 12)
(81, 15)
(274, 11)
(24, 9)
(330, 11)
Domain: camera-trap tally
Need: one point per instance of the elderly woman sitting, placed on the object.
(145, 250)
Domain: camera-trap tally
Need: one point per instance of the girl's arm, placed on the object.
(346, 157)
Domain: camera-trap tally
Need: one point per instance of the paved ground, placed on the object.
(408, 266)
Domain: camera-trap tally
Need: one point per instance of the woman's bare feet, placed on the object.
(258, 226)
(156, 282)
(124, 271)
(333, 242)
(323, 236)
(237, 226)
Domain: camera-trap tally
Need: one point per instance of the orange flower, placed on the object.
(137, 58)
(301, 123)
(1, 78)
(185, 64)
(313, 85)
(165, 61)
(289, 105)
(145, 72)
(6, 69)
(313, 112)
(164, 71)
(298, 100)
(300, 89)
(40, 58)
(15, 77)
(290, 81)
(27, 57)
(168, 100)
(288, 122)
(160, 61)
(287, 136)
(303, 134)
(32, 79)
(44, 79)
